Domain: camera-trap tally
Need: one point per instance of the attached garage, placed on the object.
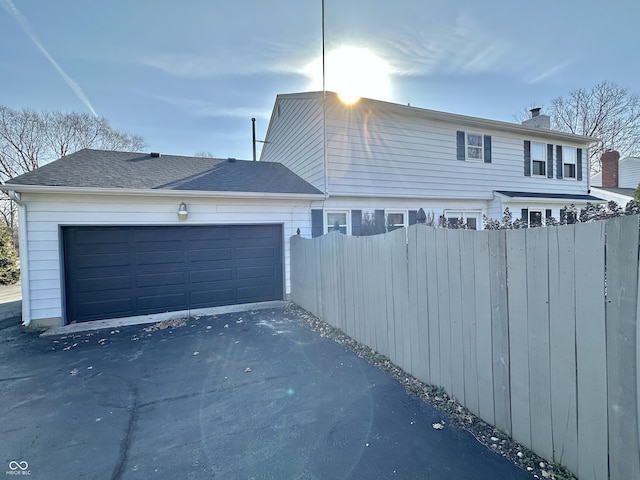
(123, 271)
(118, 234)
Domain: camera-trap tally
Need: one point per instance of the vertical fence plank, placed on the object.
(518, 336)
(444, 318)
(468, 309)
(419, 335)
(455, 315)
(398, 245)
(484, 343)
(591, 354)
(432, 306)
(382, 337)
(562, 325)
(538, 334)
(622, 294)
(500, 331)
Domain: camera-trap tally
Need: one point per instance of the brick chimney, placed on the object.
(609, 161)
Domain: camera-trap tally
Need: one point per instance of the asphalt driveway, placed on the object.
(252, 395)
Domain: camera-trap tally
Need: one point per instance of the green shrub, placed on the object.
(9, 269)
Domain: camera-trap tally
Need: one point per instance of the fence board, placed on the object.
(518, 336)
(538, 337)
(382, 339)
(622, 287)
(398, 241)
(468, 308)
(431, 250)
(484, 347)
(500, 331)
(591, 356)
(444, 318)
(417, 263)
(562, 323)
(455, 315)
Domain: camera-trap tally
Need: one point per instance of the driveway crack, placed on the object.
(125, 444)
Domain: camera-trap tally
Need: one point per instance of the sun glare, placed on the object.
(353, 72)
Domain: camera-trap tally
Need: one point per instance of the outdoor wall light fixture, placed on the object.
(182, 212)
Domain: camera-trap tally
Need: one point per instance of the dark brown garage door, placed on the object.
(122, 271)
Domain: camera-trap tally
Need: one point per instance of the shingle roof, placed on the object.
(621, 191)
(559, 196)
(108, 169)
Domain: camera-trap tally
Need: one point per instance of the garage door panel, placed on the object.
(119, 307)
(102, 260)
(157, 235)
(158, 279)
(104, 283)
(219, 296)
(170, 257)
(160, 302)
(257, 271)
(210, 254)
(213, 275)
(255, 252)
(131, 270)
(256, 293)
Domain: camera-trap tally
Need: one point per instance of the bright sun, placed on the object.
(352, 72)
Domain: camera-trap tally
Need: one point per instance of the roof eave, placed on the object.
(63, 190)
(544, 200)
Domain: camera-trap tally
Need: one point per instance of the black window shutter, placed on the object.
(527, 158)
(317, 228)
(460, 141)
(547, 213)
(412, 217)
(380, 224)
(525, 216)
(558, 161)
(579, 164)
(487, 149)
(356, 222)
(549, 161)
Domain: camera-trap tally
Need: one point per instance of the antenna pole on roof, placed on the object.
(253, 131)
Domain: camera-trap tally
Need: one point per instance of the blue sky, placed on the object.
(189, 75)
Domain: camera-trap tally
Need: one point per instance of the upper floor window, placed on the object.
(538, 159)
(473, 147)
(569, 162)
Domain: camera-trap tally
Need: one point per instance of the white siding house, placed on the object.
(114, 234)
(397, 159)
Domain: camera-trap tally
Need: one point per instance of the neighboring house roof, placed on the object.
(619, 195)
(628, 173)
(558, 196)
(100, 169)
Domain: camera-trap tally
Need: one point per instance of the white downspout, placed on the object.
(24, 256)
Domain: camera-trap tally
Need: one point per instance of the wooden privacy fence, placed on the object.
(534, 331)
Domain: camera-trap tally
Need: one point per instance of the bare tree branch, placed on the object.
(608, 112)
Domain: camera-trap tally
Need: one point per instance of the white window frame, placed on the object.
(465, 215)
(337, 212)
(573, 161)
(467, 147)
(543, 160)
(404, 214)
